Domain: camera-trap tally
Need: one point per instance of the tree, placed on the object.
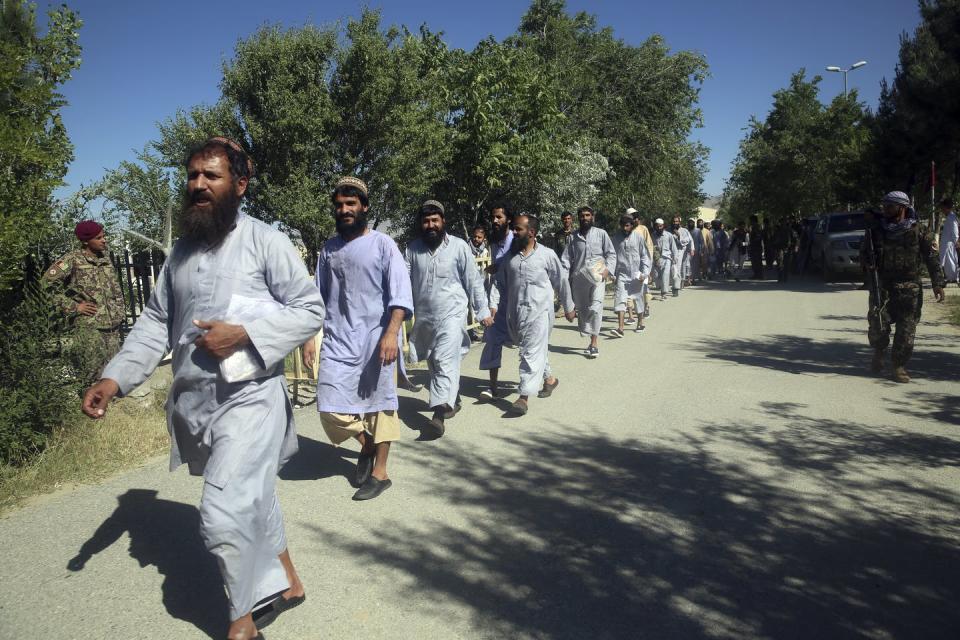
(141, 199)
(803, 158)
(34, 148)
(636, 105)
(390, 92)
(276, 103)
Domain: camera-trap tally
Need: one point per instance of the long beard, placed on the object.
(348, 229)
(585, 228)
(497, 234)
(209, 226)
(433, 238)
(519, 244)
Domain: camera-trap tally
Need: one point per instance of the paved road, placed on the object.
(732, 473)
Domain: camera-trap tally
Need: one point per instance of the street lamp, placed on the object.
(855, 65)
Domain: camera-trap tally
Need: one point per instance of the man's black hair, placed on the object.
(584, 208)
(947, 202)
(429, 210)
(625, 218)
(506, 209)
(479, 227)
(237, 159)
(566, 214)
(350, 191)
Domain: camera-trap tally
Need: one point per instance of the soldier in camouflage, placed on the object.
(901, 246)
(87, 291)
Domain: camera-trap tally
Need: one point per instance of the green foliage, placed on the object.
(43, 367)
(804, 158)
(918, 119)
(141, 197)
(34, 148)
(560, 110)
(636, 105)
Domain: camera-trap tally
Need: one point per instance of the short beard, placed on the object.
(210, 226)
(519, 244)
(359, 224)
(433, 238)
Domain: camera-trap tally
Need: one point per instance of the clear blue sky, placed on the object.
(143, 60)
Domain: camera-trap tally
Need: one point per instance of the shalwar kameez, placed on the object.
(237, 435)
(523, 292)
(445, 281)
(666, 245)
(583, 251)
(497, 334)
(633, 267)
(361, 281)
(948, 247)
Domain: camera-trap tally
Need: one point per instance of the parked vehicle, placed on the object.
(836, 244)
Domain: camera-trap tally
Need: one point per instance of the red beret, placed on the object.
(88, 230)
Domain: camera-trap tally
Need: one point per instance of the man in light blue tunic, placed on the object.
(523, 293)
(665, 244)
(365, 285)
(496, 335)
(445, 282)
(633, 268)
(232, 300)
(588, 247)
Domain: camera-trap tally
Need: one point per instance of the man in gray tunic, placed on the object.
(445, 281)
(588, 260)
(232, 300)
(633, 268)
(529, 278)
(682, 270)
(667, 253)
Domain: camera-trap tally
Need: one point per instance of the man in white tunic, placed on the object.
(366, 289)
(588, 260)
(697, 250)
(445, 282)
(232, 300)
(522, 292)
(681, 276)
(633, 269)
(667, 254)
(496, 335)
(948, 241)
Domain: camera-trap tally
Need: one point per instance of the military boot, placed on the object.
(877, 364)
(900, 374)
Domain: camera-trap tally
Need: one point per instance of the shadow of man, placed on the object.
(166, 534)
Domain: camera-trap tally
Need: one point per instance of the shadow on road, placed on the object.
(582, 536)
(802, 355)
(318, 460)
(166, 535)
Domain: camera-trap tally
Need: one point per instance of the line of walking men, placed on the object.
(234, 298)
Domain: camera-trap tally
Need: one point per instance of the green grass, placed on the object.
(84, 451)
(953, 307)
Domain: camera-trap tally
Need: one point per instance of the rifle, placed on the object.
(877, 304)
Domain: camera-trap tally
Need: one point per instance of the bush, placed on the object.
(44, 366)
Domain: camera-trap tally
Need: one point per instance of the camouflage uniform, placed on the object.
(81, 277)
(901, 292)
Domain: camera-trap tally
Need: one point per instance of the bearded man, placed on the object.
(523, 292)
(496, 335)
(445, 281)
(364, 282)
(232, 300)
(588, 260)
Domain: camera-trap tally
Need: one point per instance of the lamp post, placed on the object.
(855, 65)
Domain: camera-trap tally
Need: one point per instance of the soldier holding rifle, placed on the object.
(892, 252)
